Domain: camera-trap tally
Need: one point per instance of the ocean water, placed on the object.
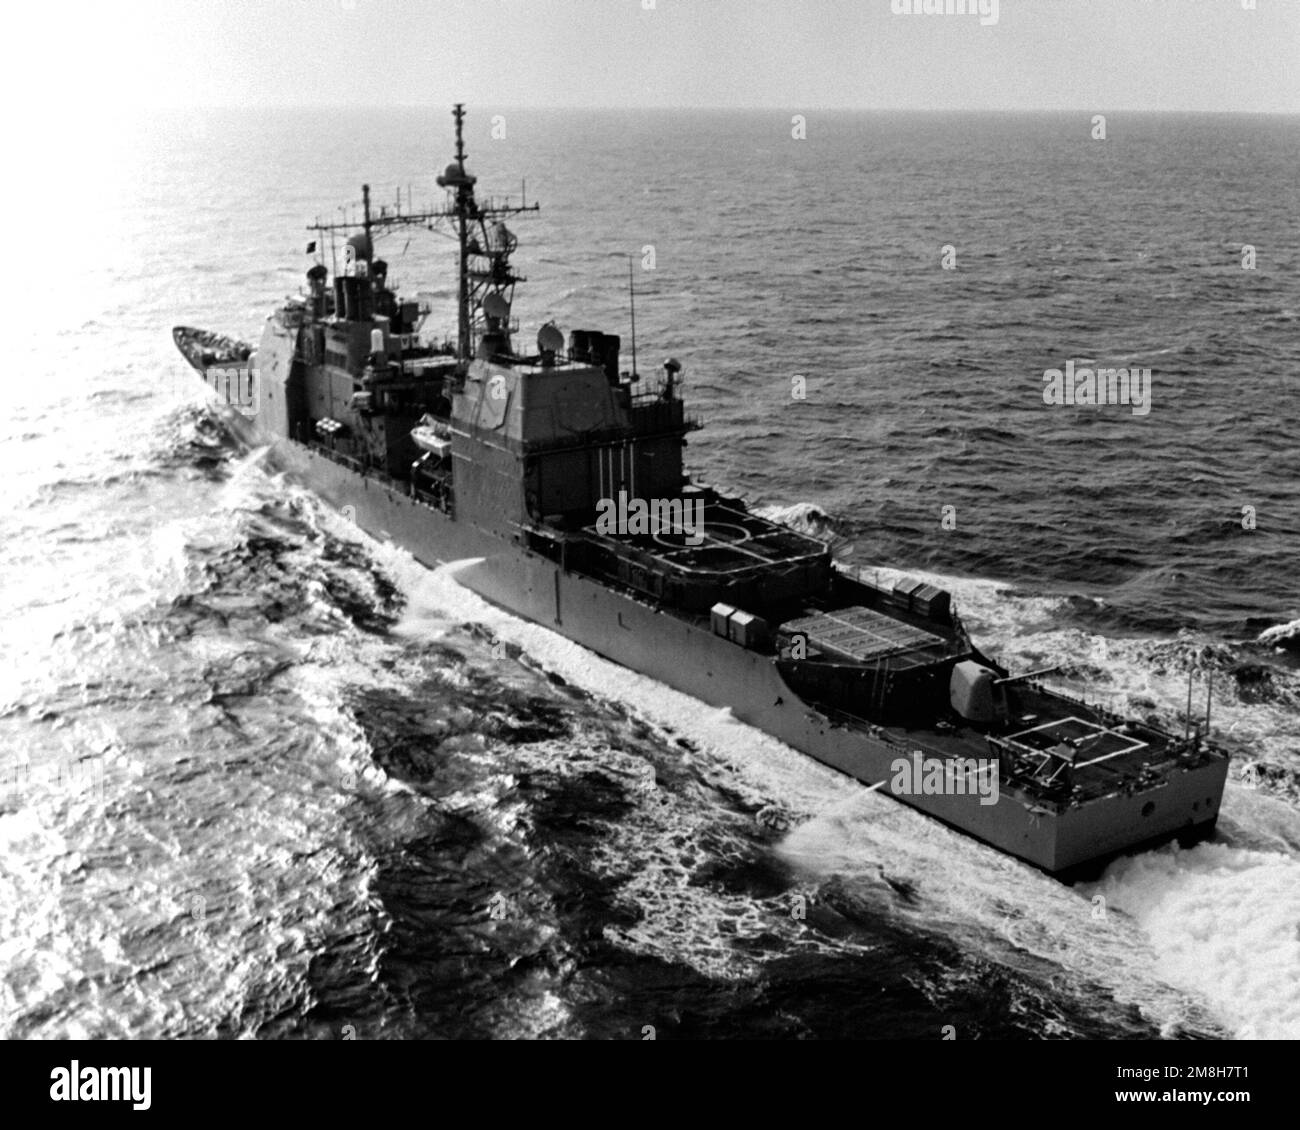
(264, 777)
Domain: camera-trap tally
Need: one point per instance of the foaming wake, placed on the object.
(996, 907)
(806, 517)
(1225, 923)
(678, 919)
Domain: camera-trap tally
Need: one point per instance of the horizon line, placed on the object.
(786, 108)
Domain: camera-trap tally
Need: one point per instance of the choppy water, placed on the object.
(265, 777)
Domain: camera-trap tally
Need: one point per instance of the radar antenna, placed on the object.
(484, 251)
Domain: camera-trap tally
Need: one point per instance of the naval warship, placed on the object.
(553, 479)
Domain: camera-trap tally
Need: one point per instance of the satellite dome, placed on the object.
(495, 306)
(550, 338)
(453, 175)
(361, 249)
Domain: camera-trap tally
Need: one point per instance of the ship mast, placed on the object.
(474, 283)
(631, 294)
(464, 202)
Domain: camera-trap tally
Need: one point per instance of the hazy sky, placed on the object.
(789, 54)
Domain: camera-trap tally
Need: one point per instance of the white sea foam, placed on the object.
(1281, 634)
(679, 920)
(989, 903)
(807, 517)
(1223, 922)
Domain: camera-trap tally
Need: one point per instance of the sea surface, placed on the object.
(265, 777)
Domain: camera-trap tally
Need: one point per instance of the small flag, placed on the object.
(311, 247)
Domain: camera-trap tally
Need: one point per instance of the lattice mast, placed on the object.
(485, 280)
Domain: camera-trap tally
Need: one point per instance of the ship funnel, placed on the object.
(352, 298)
(316, 281)
(595, 348)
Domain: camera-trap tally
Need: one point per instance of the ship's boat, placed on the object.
(224, 363)
(203, 348)
(554, 478)
(432, 437)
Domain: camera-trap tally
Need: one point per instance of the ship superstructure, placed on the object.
(559, 477)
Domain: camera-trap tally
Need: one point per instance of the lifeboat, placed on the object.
(204, 349)
(432, 435)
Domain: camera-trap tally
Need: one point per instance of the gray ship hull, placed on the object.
(1068, 841)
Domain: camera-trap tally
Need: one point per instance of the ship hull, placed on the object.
(1071, 842)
